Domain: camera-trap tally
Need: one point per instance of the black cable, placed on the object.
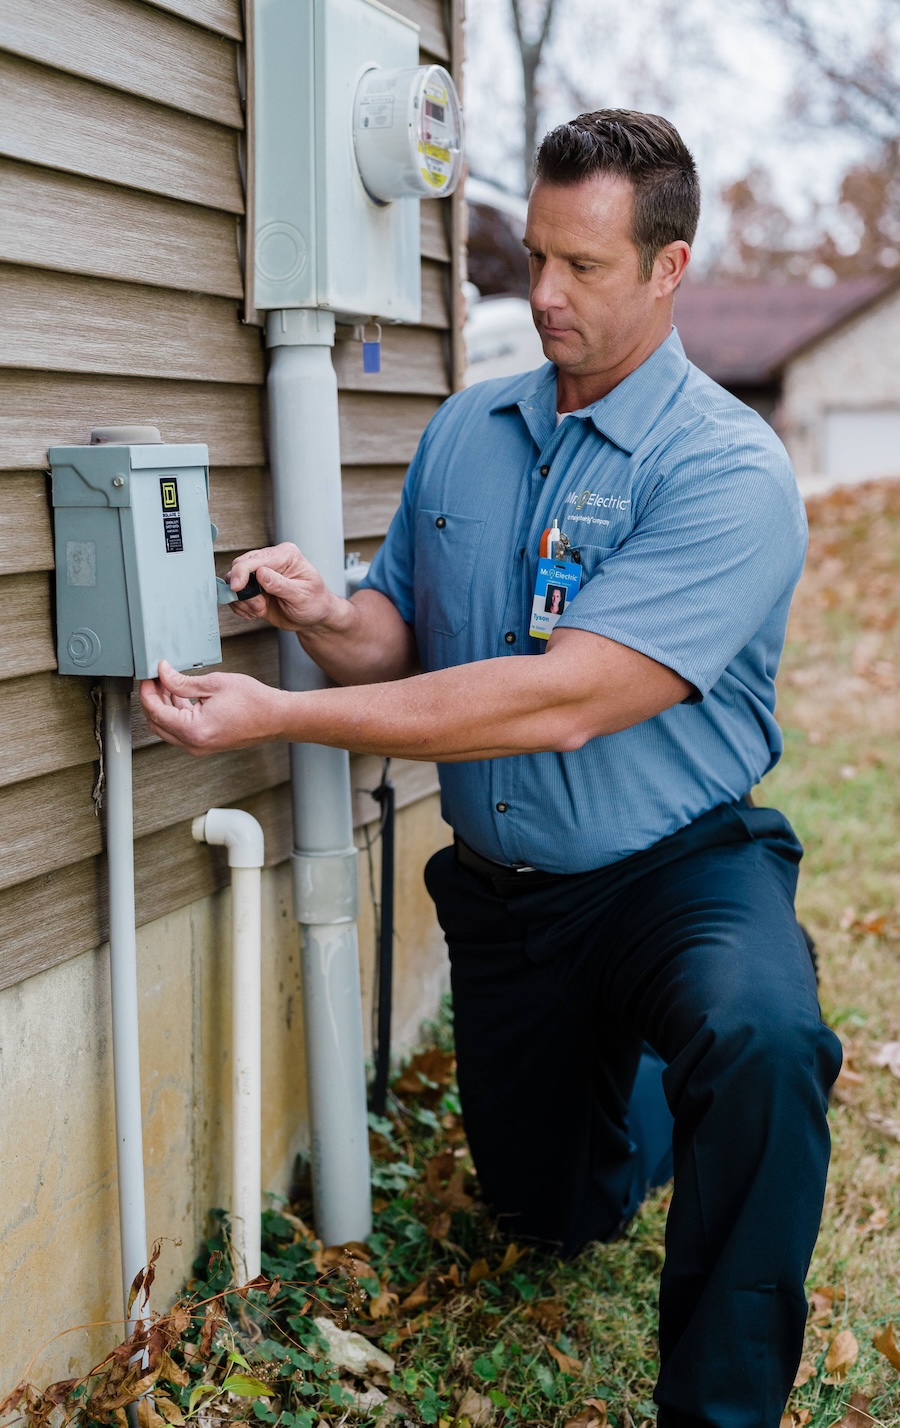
(384, 795)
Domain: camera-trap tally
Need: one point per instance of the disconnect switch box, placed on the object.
(135, 577)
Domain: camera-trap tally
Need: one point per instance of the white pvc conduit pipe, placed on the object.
(306, 484)
(116, 696)
(243, 837)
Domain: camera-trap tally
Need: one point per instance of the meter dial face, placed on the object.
(440, 137)
(407, 133)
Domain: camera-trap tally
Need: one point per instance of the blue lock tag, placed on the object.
(372, 350)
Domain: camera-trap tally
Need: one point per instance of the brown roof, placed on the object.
(743, 333)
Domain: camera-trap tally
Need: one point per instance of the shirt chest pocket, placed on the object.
(446, 550)
(592, 558)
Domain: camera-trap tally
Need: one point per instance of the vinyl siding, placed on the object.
(121, 126)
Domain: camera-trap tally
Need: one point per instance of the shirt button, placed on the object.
(440, 523)
(510, 637)
(502, 807)
(545, 470)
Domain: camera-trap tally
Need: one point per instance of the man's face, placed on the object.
(589, 305)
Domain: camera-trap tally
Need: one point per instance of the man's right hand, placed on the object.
(296, 597)
(360, 641)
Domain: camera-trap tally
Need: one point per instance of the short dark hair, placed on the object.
(643, 148)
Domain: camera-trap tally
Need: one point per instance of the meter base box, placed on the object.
(135, 577)
(319, 239)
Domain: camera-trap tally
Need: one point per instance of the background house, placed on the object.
(822, 364)
(122, 164)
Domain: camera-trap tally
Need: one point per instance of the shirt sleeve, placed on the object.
(392, 571)
(715, 547)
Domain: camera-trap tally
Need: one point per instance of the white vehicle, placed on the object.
(501, 339)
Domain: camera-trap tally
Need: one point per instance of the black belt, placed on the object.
(510, 875)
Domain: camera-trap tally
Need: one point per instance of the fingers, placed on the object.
(273, 582)
(185, 689)
(283, 557)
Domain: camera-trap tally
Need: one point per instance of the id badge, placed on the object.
(558, 582)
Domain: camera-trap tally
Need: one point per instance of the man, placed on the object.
(611, 883)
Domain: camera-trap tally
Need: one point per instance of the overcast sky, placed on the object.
(712, 66)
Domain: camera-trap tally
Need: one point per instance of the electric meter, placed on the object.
(407, 133)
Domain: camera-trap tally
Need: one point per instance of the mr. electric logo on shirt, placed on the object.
(582, 500)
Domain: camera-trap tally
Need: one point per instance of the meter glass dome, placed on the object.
(407, 133)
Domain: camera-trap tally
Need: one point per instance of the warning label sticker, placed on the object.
(376, 111)
(168, 488)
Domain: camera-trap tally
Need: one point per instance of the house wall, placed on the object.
(121, 203)
(840, 413)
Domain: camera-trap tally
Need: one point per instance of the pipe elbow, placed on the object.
(235, 830)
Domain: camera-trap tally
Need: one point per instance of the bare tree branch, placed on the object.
(530, 52)
(861, 89)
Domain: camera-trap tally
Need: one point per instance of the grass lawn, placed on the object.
(478, 1333)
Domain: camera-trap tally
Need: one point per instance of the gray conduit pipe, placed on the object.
(124, 987)
(306, 483)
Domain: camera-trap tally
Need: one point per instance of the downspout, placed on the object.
(243, 837)
(305, 460)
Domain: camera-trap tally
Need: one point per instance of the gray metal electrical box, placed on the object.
(135, 579)
(319, 239)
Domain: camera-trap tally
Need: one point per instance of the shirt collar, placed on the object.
(624, 415)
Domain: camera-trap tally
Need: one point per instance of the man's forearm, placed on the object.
(491, 709)
(365, 640)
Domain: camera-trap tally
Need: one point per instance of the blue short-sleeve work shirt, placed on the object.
(692, 534)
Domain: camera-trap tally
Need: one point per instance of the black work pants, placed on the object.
(693, 947)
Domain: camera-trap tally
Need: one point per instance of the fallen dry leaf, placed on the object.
(418, 1296)
(426, 1075)
(565, 1362)
(805, 1372)
(480, 1269)
(445, 1180)
(383, 1304)
(439, 1226)
(549, 1314)
(874, 922)
(822, 1301)
(884, 1124)
(451, 1281)
(886, 1344)
(173, 1372)
(592, 1415)
(843, 1352)
(147, 1415)
(795, 1418)
(352, 1257)
(476, 1407)
(876, 1221)
(888, 1055)
(857, 1415)
(412, 1326)
(511, 1256)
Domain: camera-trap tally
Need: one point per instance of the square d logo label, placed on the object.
(169, 489)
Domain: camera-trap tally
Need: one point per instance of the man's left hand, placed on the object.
(205, 714)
